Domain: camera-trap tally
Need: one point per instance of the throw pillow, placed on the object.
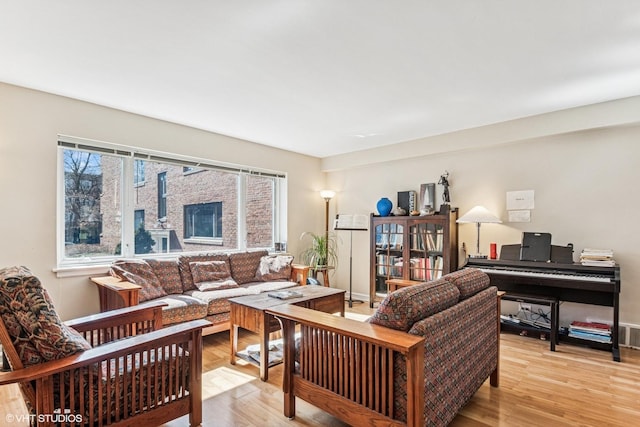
(35, 328)
(168, 274)
(139, 272)
(184, 268)
(212, 275)
(274, 267)
(244, 265)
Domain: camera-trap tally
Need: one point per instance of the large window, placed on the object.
(110, 211)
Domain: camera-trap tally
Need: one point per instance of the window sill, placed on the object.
(81, 270)
(204, 241)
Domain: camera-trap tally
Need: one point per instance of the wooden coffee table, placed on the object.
(248, 312)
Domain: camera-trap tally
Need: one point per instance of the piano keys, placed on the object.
(566, 282)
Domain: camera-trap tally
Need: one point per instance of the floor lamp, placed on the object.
(327, 195)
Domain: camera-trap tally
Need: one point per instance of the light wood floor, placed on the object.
(573, 386)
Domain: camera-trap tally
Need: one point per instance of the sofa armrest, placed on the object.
(346, 366)
(116, 293)
(299, 273)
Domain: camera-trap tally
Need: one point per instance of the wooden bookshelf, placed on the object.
(417, 248)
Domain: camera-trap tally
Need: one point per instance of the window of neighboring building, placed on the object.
(233, 208)
(203, 220)
(138, 219)
(162, 195)
(138, 172)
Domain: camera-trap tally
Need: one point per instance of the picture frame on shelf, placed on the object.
(427, 197)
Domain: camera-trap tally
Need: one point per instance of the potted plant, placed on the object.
(322, 253)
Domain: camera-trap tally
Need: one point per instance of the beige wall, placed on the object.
(584, 182)
(584, 186)
(29, 124)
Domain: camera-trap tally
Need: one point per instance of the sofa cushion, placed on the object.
(28, 313)
(181, 308)
(402, 308)
(469, 281)
(274, 267)
(139, 272)
(218, 301)
(167, 272)
(212, 275)
(185, 268)
(244, 265)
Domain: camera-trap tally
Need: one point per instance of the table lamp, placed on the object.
(479, 215)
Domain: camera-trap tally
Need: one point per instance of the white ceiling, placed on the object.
(325, 77)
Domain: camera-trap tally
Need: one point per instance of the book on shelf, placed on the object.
(590, 327)
(436, 272)
(590, 336)
(439, 240)
(420, 269)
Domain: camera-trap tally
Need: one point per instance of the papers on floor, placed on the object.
(597, 257)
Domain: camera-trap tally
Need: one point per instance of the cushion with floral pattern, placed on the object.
(212, 275)
(140, 273)
(28, 313)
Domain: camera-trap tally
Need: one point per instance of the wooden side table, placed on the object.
(395, 284)
(325, 274)
(250, 312)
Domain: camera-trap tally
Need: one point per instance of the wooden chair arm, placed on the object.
(166, 336)
(117, 317)
(113, 325)
(399, 341)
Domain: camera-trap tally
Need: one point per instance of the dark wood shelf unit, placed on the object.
(411, 248)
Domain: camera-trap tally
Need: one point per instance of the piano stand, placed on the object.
(569, 282)
(540, 300)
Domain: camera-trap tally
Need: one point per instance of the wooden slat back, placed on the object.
(359, 371)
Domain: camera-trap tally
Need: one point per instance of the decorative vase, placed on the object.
(384, 206)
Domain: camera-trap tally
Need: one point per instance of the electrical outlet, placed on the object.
(524, 307)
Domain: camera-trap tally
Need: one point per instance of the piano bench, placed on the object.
(553, 304)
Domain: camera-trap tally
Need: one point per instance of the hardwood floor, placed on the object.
(574, 386)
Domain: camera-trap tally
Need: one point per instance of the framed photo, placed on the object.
(427, 196)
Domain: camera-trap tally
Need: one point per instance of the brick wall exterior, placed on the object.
(203, 186)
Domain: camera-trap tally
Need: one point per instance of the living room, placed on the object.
(582, 163)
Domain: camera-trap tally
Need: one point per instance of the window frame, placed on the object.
(127, 193)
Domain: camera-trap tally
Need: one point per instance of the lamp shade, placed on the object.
(327, 194)
(479, 214)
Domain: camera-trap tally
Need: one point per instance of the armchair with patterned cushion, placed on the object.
(418, 360)
(117, 368)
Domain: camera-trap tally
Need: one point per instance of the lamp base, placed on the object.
(478, 256)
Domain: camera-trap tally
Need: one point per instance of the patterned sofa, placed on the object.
(417, 361)
(196, 286)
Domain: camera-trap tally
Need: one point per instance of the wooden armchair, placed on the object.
(423, 354)
(117, 368)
